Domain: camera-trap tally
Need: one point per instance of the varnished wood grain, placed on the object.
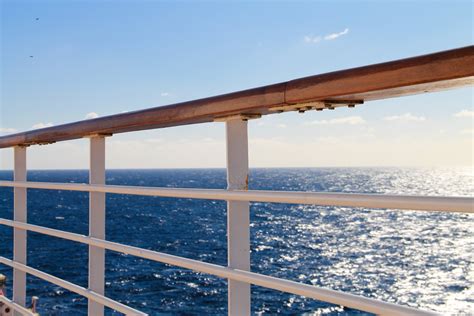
(428, 73)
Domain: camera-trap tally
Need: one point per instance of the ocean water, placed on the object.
(419, 259)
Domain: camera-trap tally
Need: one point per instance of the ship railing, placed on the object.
(427, 73)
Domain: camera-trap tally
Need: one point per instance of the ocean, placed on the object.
(419, 259)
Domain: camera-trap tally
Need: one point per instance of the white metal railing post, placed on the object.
(238, 218)
(19, 235)
(96, 223)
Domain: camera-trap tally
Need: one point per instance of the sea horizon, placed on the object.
(252, 168)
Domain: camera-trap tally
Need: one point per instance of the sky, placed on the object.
(64, 61)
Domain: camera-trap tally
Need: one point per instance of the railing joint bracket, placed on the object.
(45, 143)
(242, 116)
(98, 135)
(302, 107)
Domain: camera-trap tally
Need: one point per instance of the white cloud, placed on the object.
(407, 117)
(205, 152)
(328, 140)
(153, 140)
(367, 129)
(165, 94)
(312, 39)
(366, 151)
(6, 130)
(42, 125)
(349, 120)
(154, 152)
(464, 113)
(328, 37)
(208, 140)
(281, 125)
(333, 36)
(91, 115)
(467, 131)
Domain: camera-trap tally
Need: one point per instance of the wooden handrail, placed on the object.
(428, 73)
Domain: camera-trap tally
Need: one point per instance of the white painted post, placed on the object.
(238, 218)
(19, 235)
(96, 223)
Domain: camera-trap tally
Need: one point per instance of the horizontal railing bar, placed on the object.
(420, 74)
(17, 307)
(73, 287)
(403, 202)
(322, 294)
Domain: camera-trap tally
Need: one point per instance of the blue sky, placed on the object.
(107, 57)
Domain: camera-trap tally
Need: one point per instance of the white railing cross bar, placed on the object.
(452, 204)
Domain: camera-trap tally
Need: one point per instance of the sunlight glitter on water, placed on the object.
(420, 259)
